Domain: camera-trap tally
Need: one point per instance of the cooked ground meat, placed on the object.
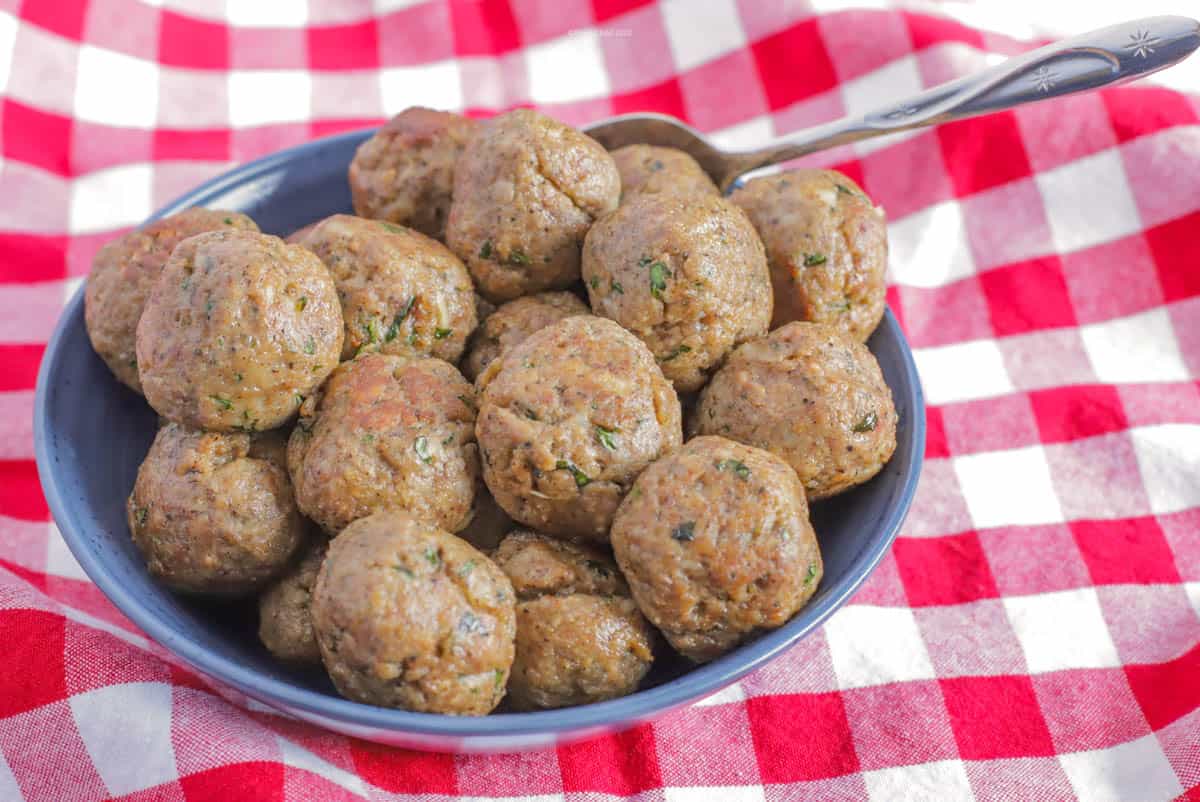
(649, 168)
(716, 545)
(827, 247)
(526, 190)
(567, 420)
(387, 433)
(512, 322)
(123, 273)
(239, 328)
(401, 292)
(405, 172)
(810, 394)
(284, 608)
(209, 517)
(407, 615)
(686, 274)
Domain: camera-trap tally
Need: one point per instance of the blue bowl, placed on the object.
(91, 434)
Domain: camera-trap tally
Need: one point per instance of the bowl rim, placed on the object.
(699, 682)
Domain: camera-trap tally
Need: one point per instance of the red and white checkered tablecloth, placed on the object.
(1035, 633)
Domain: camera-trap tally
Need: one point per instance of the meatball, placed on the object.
(297, 236)
(649, 168)
(826, 245)
(526, 191)
(401, 292)
(568, 419)
(387, 432)
(239, 328)
(716, 545)
(209, 517)
(580, 637)
(512, 322)
(284, 614)
(687, 275)
(813, 396)
(123, 273)
(405, 172)
(489, 523)
(407, 615)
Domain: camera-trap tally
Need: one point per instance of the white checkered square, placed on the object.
(275, 14)
(567, 68)
(701, 32)
(9, 789)
(945, 781)
(1135, 770)
(1007, 488)
(42, 70)
(298, 757)
(8, 43)
(59, 559)
(113, 198)
(189, 99)
(1138, 348)
(747, 134)
(1061, 630)
(262, 97)
(127, 731)
(744, 793)
(930, 248)
(1088, 201)
(1169, 458)
(877, 89)
(962, 371)
(876, 645)
(437, 85)
(116, 89)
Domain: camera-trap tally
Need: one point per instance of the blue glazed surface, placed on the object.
(91, 434)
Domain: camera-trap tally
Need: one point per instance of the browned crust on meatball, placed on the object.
(387, 432)
(812, 395)
(123, 273)
(409, 616)
(687, 275)
(284, 608)
(401, 292)
(526, 190)
(716, 545)
(405, 172)
(238, 329)
(650, 168)
(538, 565)
(512, 322)
(208, 517)
(567, 419)
(827, 247)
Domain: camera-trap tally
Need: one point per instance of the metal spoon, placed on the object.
(1112, 55)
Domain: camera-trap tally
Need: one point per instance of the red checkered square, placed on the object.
(344, 47)
(989, 424)
(200, 145)
(641, 60)
(253, 780)
(1174, 248)
(64, 18)
(113, 661)
(514, 775)
(186, 41)
(666, 96)
(996, 717)
(1139, 110)
(1071, 413)
(944, 570)
(35, 674)
(20, 495)
(1113, 279)
(983, 152)
(35, 137)
(1034, 559)
(682, 765)
(1068, 702)
(794, 64)
(1128, 550)
(908, 176)
(722, 92)
(127, 27)
(483, 27)
(801, 737)
(885, 718)
(402, 770)
(1018, 778)
(22, 363)
(1028, 296)
(604, 10)
(416, 34)
(926, 30)
(624, 763)
(937, 443)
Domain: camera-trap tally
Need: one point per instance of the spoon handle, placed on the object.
(1105, 57)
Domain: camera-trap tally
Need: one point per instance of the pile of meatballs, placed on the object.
(442, 442)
